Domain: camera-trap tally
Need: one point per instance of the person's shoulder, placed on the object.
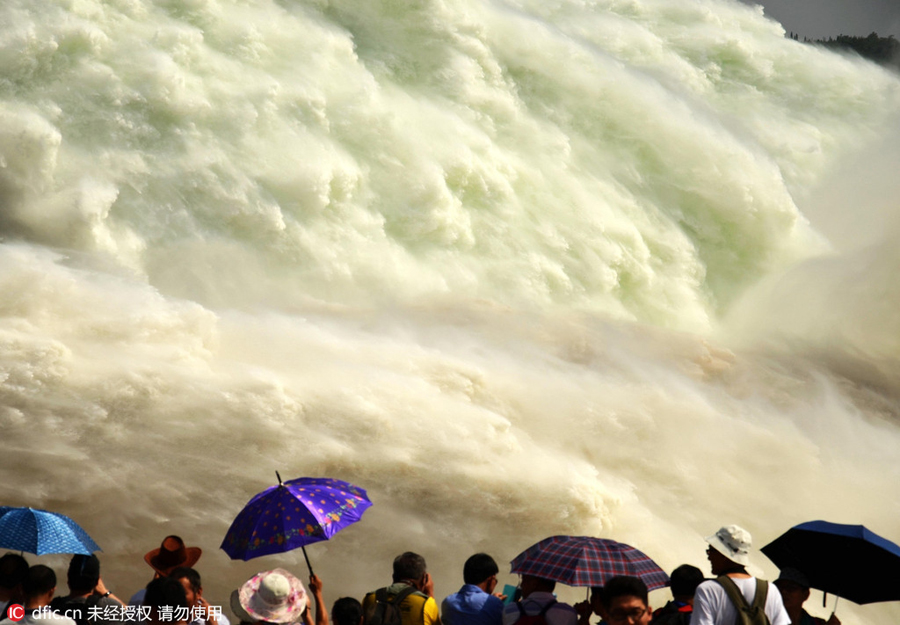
(715, 584)
(370, 596)
(221, 619)
(493, 601)
(708, 589)
(565, 607)
(372, 593)
(511, 607)
(669, 608)
(138, 597)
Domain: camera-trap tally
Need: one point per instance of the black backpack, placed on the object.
(748, 614)
(387, 607)
(671, 615)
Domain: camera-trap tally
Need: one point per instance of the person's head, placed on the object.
(479, 570)
(83, 573)
(531, 584)
(625, 601)
(164, 591)
(347, 611)
(13, 569)
(729, 549)
(794, 588)
(190, 580)
(39, 585)
(684, 581)
(409, 567)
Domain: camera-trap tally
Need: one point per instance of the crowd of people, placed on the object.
(28, 595)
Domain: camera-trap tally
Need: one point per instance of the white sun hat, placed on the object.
(733, 542)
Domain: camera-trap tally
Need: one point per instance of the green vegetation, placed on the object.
(883, 50)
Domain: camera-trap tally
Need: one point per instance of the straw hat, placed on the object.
(274, 596)
(171, 554)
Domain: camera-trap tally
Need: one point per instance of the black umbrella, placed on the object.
(845, 560)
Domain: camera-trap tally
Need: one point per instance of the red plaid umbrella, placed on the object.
(587, 561)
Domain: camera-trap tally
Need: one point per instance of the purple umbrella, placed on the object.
(587, 561)
(294, 514)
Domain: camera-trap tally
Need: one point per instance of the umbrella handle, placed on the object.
(308, 565)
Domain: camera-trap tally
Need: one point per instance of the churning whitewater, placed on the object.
(624, 268)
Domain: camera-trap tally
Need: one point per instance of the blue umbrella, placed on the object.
(40, 532)
(849, 561)
(294, 514)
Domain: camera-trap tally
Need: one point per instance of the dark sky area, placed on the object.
(820, 19)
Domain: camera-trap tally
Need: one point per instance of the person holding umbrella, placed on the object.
(88, 595)
(794, 588)
(538, 601)
(718, 601)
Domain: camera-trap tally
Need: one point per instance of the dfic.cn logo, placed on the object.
(16, 612)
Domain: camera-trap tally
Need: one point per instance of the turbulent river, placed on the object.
(625, 268)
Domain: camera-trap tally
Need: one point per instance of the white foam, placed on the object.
(517, 268)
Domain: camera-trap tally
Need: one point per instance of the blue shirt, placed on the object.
(471, 606)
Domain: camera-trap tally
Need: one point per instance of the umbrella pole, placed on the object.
(307, 561)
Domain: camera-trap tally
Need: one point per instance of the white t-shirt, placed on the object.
(713, 607)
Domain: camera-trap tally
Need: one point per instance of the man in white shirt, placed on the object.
(729, 554)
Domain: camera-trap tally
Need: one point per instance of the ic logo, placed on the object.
(16, 612)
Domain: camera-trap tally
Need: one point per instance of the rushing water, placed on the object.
(625, 268)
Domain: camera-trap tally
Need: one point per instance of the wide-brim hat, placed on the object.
(171, 554)
(275, 596)
(733, 542)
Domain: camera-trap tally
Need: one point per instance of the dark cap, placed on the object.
(789, 574)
